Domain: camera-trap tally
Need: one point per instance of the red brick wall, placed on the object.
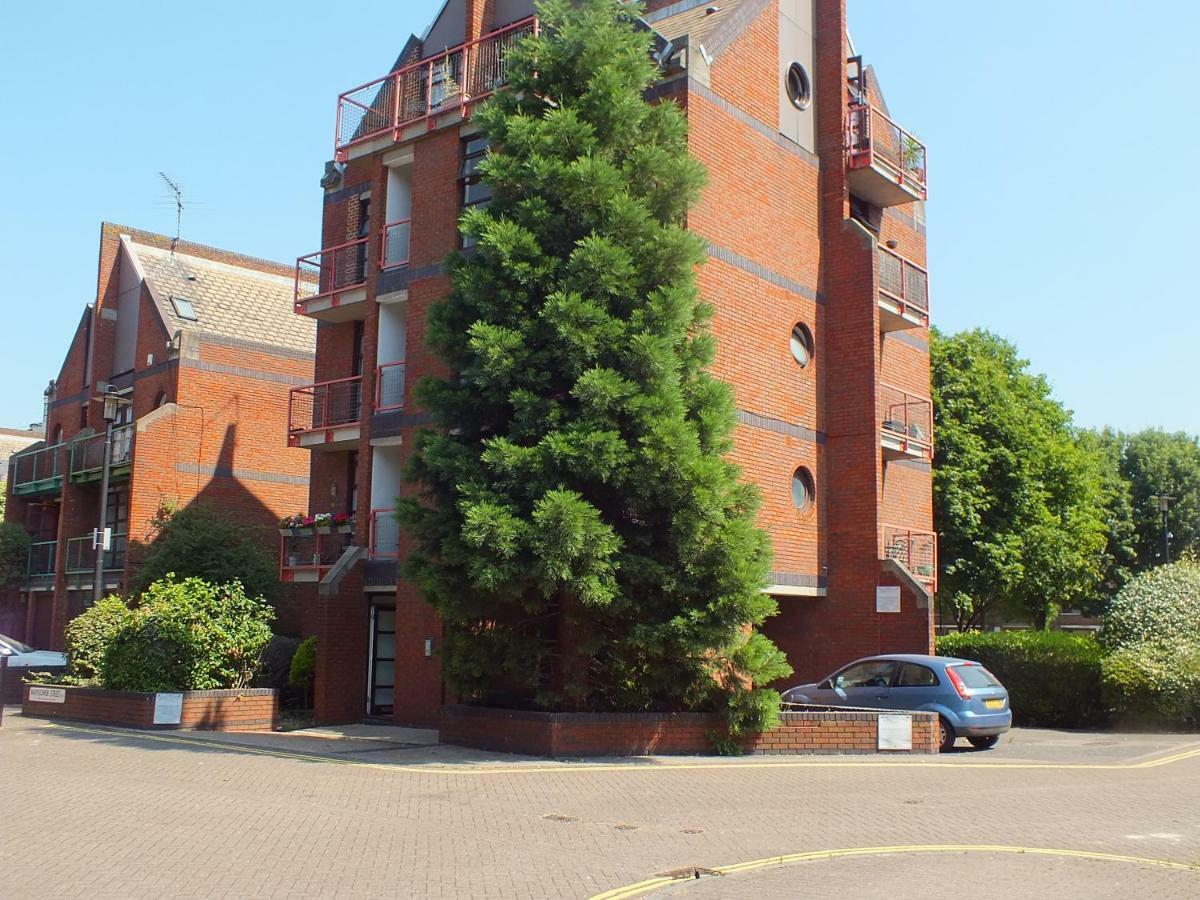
(253, 709)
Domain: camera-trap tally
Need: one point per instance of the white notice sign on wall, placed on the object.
(168, 709)
(887, 599)
(895, 732)
(47, 695)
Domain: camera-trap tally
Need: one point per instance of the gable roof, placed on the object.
(242, 298)
(715, 30)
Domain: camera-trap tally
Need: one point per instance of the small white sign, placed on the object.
(47, 695)
(887, 599)
(895, 732)
(168, 709)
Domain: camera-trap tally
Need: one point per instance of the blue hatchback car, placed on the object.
(969, 700)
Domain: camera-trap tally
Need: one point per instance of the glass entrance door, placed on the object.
(382, 677)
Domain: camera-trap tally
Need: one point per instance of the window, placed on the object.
(799, 87)
(160, 400)
(364, 229)
(875, 673)
(802, 344)
(803, 489)
(913, 675)
(976, 676)
(183, 308)
(474, 192)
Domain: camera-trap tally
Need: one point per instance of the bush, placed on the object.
(303, 673)
(277, 663)
(14, 553)
(1161, 605)
(1053, 678)
(1154, 684)
(89, 635)
(200, 541)
(189, 635)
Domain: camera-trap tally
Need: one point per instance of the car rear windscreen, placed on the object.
(977, 677)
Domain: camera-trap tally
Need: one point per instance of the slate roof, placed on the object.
(230, 301)
(702, 27)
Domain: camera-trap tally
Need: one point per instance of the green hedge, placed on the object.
(1154, 685)
(1053, 678)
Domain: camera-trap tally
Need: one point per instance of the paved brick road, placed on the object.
(86, 813)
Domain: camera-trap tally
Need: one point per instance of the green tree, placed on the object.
(202, 541)
(1019, 506)
(1156, 462)
(579, 530)
(1119, 561)
(14, 553)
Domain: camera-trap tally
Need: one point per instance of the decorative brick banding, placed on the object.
(637, 734)
(253, 709)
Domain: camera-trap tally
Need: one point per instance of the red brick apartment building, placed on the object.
(814, 217)
(202, 347)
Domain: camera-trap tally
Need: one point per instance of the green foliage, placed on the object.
(277, 663)
(189, 635)
(14, 553)
(580, 532)
(202, 541)
(1154, 462)
(90, 634)
(1053, 678)
(303, 671)
(1019, 505)
(1154, 684)
(1161, 605)
(1119, 560)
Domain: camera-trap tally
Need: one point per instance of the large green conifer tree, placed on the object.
(578, 528)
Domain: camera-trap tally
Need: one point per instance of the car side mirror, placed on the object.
(827, 684)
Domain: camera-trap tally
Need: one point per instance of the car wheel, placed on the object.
(984, 743)
(946, 735)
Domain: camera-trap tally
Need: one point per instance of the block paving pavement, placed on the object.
(93, 812)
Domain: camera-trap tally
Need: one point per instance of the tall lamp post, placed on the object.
(1164, 502)
(102, 538)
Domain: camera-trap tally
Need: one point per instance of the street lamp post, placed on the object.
(102, 541)
(1164, 502)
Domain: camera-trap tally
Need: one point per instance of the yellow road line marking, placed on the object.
(544, 768)
(650, 884)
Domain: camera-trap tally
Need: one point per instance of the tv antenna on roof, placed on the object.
(178, 192)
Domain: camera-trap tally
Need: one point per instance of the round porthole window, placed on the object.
(799, 87)
(803, 489)
(802, 344)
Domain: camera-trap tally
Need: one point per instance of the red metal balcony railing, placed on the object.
(385, 534)
(393, 248)
(307, 557)
(453, 79)
(389, 387)
(324, 406)
(904, 284)
(916, 550)
(907, 422)
(872, 139)
(331, 271)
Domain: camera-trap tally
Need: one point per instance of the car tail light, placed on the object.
(956, 680)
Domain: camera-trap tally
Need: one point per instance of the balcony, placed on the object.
(331, 284)
(385, 534)
(326, 416)
(36, 473)
(87, 456)
(81, 562)
(393, 248)
(306, 558)
(39, 568)
(915, 550)
(886, 164)
(903, 293)
(907, 424)
(389, 387)
(413, 99)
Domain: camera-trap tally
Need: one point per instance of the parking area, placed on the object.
(371, 812)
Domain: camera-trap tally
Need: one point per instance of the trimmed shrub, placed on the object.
(14, 553)
(1154, 684)
(189, 635)
(303, 673)
(89, 635)
(1160, 605)
(1053, 678)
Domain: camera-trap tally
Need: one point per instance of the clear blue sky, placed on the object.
(1063, 143)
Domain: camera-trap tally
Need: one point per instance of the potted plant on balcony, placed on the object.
(343, 523)
(323, 523)
(292, 526)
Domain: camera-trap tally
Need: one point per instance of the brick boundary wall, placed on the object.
(10, 691)
(252, 709)
(639, 734)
